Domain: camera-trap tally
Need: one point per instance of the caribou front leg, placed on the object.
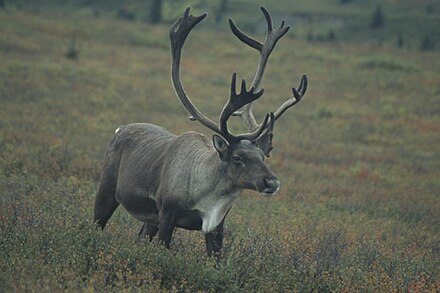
(167, 223)
(214, 240)
(148, 229)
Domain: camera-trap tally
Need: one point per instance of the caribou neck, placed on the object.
(222, 184)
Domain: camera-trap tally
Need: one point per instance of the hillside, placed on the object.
(358, 158)
(405, 23)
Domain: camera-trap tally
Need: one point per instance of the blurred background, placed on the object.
(358, 157)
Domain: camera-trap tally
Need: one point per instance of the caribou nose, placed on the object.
(271, 186)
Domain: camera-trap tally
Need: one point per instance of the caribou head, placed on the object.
(244, 152)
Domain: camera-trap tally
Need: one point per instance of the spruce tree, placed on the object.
(156, 11)
(377, 20)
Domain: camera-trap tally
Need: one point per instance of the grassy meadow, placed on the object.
(358, 158)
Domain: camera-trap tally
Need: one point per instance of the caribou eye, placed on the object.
(238, 161)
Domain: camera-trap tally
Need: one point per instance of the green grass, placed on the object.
(358, 158)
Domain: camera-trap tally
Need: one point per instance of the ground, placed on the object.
(358, 158)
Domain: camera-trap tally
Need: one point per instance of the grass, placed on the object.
(358, 159)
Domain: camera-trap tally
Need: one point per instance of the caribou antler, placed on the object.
(237, 101)
(265, 49)
(297, 96)
(178, 33)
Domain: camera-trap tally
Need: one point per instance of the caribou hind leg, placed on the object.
(105, 205)
(105, 201)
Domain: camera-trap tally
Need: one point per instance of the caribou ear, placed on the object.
(264, 141)
(221, 146)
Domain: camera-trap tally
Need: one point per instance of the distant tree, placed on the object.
(400, 41)
(2, 4)
(345, 1)
(331, 36)
(429, 9)
(223, 7)
(72, 53)
(310, 37)
(125, 14)
(427, 44)
(86, 2)
(378, 19)
(156, 11)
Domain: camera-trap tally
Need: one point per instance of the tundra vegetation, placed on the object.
(358, 158)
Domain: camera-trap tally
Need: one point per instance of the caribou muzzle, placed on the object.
(269, 186)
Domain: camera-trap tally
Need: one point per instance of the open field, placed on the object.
(358, 158)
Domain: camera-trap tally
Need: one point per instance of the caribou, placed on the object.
(187, 181)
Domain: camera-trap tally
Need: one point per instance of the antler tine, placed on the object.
(257, 133)
(265, 49)
(268, 19)
(297, 96)
(181, 28)
(245, 38)
(235, 102)
(179, 31)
